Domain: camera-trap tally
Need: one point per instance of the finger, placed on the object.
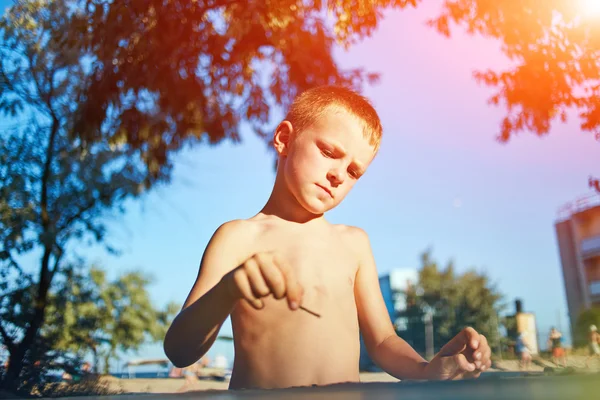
(463, 364)
(472, 338)
(273, 276)
(257, 282)
(485, 350)
(475, 374)
(243, 284)
(483, 344)
(471, 375)
(483, 353)
(294, 291)
(486, 354)
(486, 366)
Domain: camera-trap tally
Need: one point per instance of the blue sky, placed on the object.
(441, 180)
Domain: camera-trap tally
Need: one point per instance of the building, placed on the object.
(578, 236)
(393, 289)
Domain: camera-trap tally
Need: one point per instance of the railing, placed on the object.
(580, 204)
(590, 246)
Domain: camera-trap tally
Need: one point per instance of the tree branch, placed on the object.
(14, 264)
(58, 256)
(22, 94)
(44, 97)
(78, 215)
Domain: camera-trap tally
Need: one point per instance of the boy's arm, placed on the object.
(465, 356)
(209, 302)
(385, 347)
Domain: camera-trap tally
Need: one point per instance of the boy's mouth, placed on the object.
(326, 190)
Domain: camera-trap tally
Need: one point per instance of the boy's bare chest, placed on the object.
(323, 264)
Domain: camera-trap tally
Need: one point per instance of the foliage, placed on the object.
(581, 329)
(455, 300)
(554, 48)
(89, 313)
(54, 188)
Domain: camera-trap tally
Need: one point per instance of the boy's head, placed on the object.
(312, 104)
(325, 144)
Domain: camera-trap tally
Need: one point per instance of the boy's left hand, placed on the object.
(467, 355)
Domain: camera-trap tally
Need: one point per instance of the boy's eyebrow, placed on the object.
(339, 149)
(359, 166)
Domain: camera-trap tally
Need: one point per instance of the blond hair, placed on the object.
(313, 103)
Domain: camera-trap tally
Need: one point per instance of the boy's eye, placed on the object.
(327, 153)
(354, 174)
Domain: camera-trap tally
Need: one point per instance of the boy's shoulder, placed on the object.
(238, 227)
(352, 235)
(350, 230)
(243, 228)
(255, 226)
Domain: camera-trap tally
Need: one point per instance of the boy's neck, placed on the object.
(282, 204)
(289, 210)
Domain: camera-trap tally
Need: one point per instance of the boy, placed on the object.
(262, 270)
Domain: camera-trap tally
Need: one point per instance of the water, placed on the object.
(142, 374)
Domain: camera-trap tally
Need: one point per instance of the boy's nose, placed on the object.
(336, 177)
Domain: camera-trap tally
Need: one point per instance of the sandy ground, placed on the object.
(178, 385)
(174, 385)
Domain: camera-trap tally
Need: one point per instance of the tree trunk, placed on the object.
(15, 366)
(95, 352)
(106, 363)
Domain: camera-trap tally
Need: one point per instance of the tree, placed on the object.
(54, 188)
(205, 66)
(90, 313)
(44, 354)
(555, 51)
(102, 94)
(287, 46)
(455, 300)
(554, 47)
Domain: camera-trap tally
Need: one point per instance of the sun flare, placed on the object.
(590, 7)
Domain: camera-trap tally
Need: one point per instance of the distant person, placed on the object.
(204, 362)
(524, 351)
(555, 343)
(86, 368)
(175, 372)
(220, 362)
(78, 373)
(67, 377)
(298, 288)
(190, 376)
(594, 345)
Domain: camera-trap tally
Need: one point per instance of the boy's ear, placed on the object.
(282, 137)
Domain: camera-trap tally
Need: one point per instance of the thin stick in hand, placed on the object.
(310, 312)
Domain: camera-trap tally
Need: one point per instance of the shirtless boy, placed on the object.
(263, 269)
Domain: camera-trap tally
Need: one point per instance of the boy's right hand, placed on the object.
(261, 275)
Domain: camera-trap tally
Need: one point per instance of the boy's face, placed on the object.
(325, 160)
